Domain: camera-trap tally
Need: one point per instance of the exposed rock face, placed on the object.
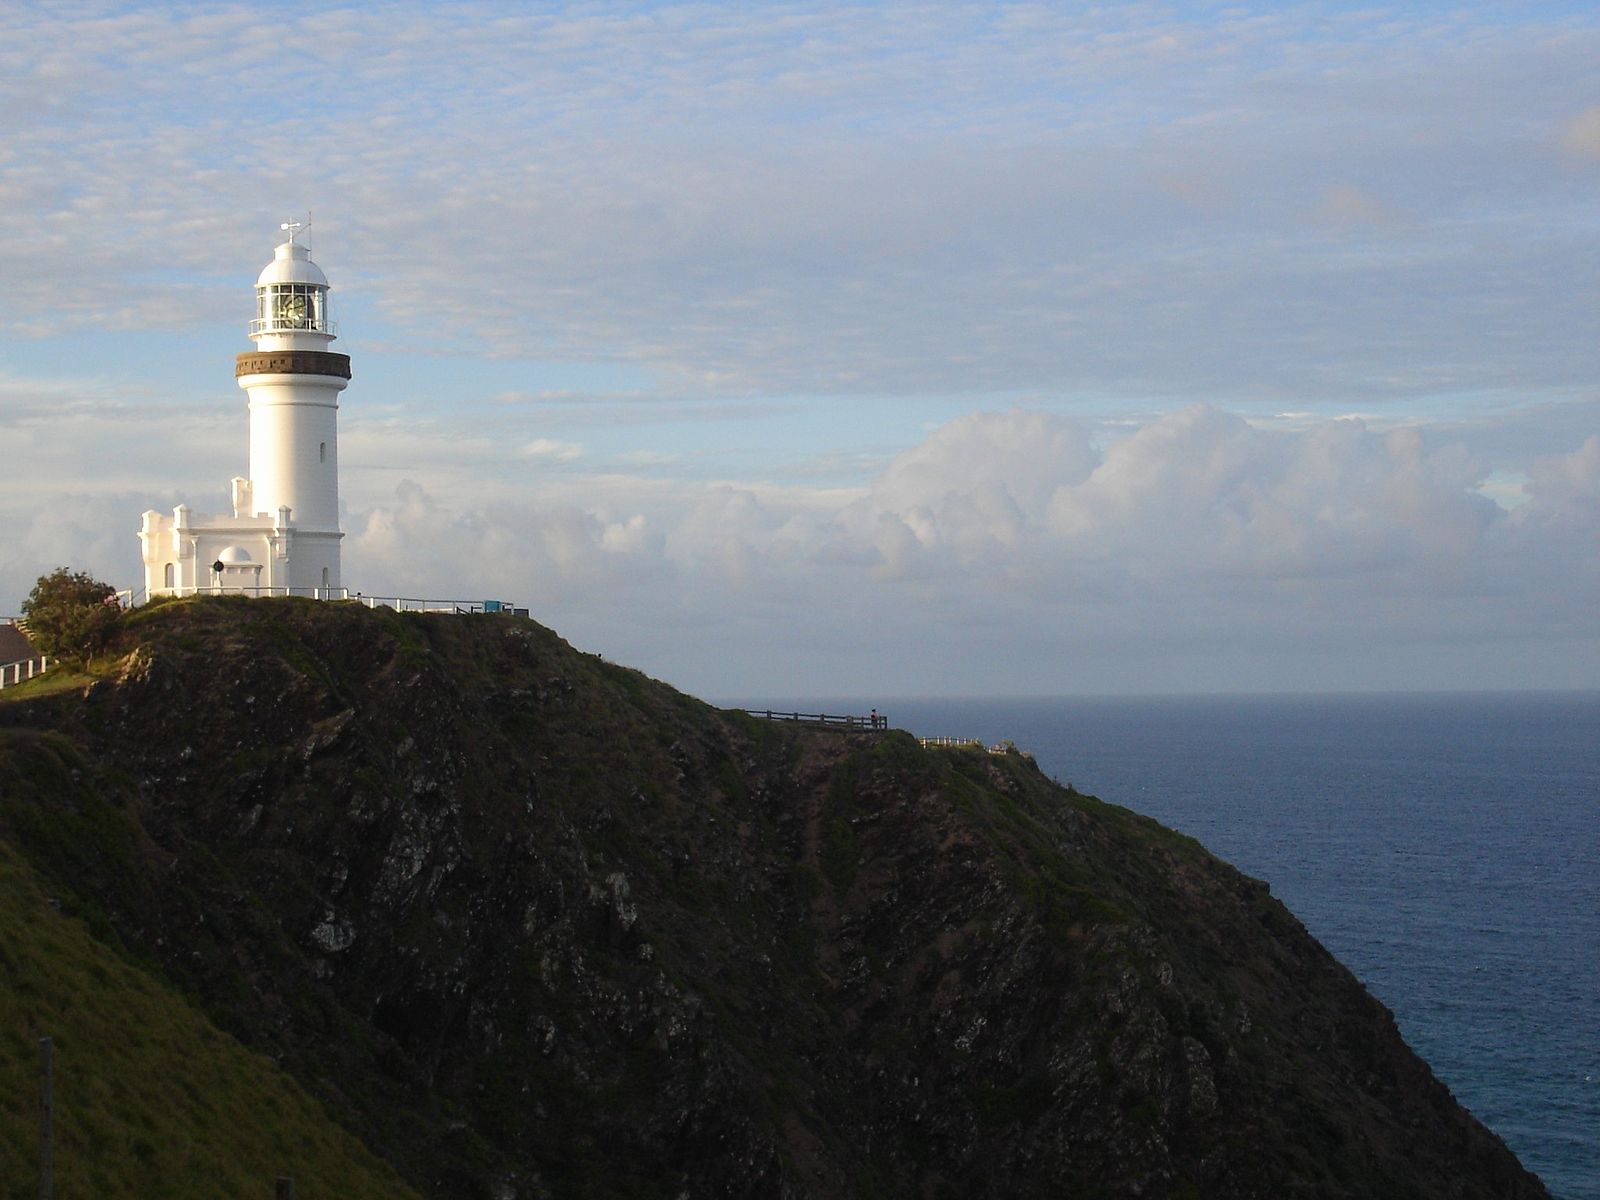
(535, 925)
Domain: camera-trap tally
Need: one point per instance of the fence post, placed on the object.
(285, 1189)
(47, 1109)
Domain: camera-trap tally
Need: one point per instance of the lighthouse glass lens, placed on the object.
(291, 308)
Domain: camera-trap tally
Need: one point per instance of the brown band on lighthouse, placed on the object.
(292, 362)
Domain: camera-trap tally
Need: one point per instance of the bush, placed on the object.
(70, 614)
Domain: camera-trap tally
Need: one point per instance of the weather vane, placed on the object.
(294, 227)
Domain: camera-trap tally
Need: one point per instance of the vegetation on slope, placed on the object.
(535, 925)
(151, 1100)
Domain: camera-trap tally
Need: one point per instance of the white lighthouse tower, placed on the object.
(282, 537)
(294, 385)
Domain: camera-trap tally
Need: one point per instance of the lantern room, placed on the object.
(292, 300)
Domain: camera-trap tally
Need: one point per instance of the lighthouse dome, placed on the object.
(291, 263)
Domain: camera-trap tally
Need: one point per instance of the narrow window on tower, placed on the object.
(322, 451)
(169, 575)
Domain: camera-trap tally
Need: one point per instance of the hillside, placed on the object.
(531, 924)
(151, 1099)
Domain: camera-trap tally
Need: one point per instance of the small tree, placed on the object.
(70, 614)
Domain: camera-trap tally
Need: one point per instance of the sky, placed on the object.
(844, 349)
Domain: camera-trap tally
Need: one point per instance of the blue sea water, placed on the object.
(1445, 847)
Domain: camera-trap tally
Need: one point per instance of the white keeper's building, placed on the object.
(282, 537)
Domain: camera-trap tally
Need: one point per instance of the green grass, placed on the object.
(151, 1100)
(52, 683)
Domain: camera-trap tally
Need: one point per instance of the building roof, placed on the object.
(14, 647)
(291, 263)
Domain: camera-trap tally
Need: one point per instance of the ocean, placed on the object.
(1446, 848)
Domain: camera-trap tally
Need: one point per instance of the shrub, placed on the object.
(70, 614)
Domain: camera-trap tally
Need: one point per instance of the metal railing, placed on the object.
(133, 597)
(875, 721)
(286, 325)
(415, 604)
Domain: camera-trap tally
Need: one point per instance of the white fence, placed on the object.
(413, 604)
(13, 673)
(874, 721)
(133, 597)
(960, 743)
(22, 669)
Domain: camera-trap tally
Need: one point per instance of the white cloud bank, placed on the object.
(1005, 553)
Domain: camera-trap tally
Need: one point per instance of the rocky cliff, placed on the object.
(531, 924)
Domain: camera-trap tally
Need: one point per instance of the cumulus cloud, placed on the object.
(415, 545)
(1565, 486)
(1012, 529)
(1007, 551)
(975, 491)
(1195, 500)
(83, 531)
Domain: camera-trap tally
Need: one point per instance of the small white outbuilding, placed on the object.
(282, 537)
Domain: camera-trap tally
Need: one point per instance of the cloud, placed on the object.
(1195, 551)
(1013, 529)
(975, 493)
(552, 450)
(417, 546)
(1345, 205)
(1581, 137)
(839, 200)
(1566, 487)
(95, 532)
(855, 223)
(1196, 499)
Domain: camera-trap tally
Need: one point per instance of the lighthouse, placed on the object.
(282, 536)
